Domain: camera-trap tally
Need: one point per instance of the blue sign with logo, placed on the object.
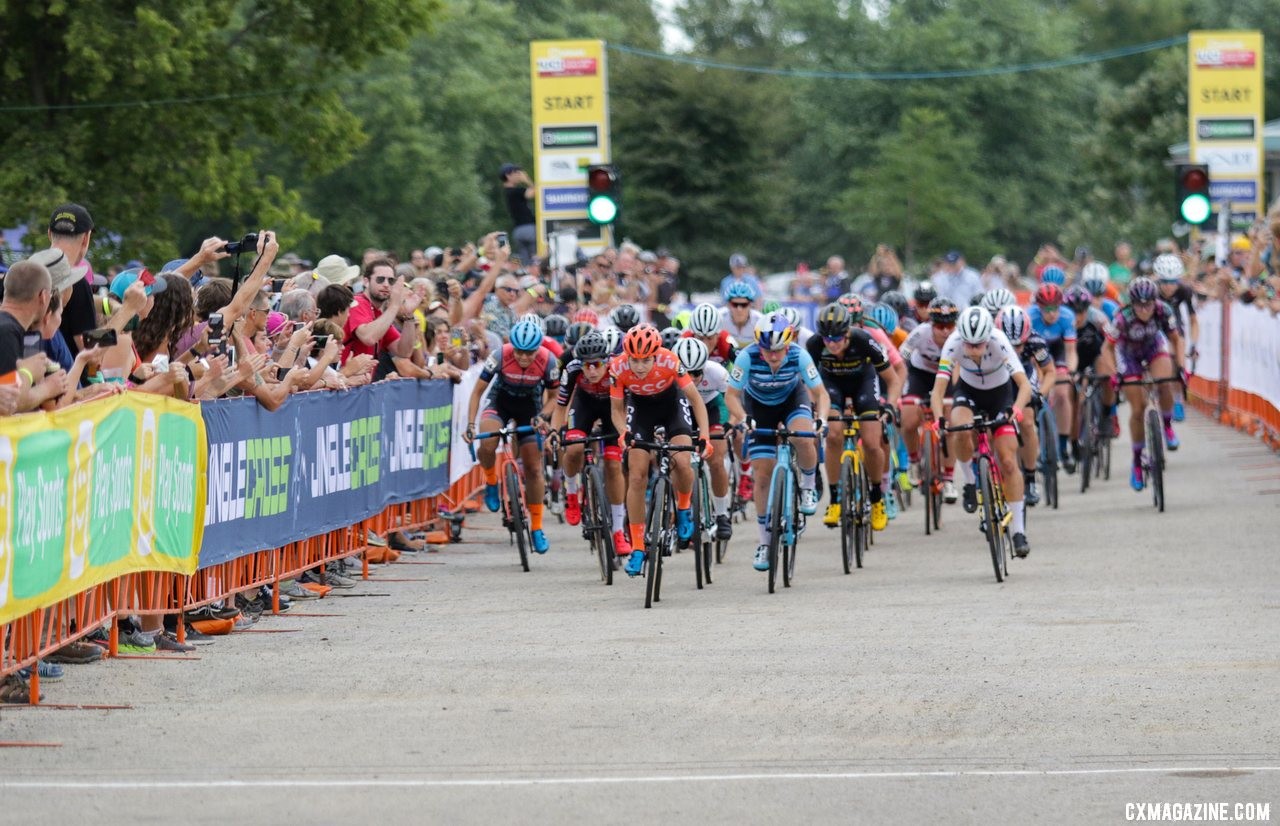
(564, 198)
(1233, 190)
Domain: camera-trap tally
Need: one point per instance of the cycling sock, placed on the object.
(887, 481)
(1137, 453)
(966, 472)
(1062, 445)
(1018, 525)
(637, 537)
(808, 478)
(902, 453)
(619, 516)
(683, 500)
(535, 517)
(1168, 420)
(914, 458)
(948, 474)
(491, 475)
(1028, 476)
(762, 525)
(721, 504)
(877, 493)
(835, 493)
(572, 483)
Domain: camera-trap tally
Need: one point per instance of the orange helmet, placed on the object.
(642, 341)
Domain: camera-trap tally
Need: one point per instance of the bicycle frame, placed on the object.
(783, 484)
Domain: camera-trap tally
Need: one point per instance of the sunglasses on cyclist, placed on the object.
(697, 374)
(944, 327)
(833, 340)
(1049, 308)
(739, 303)
(1144, 304)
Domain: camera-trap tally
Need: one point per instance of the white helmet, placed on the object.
(996, 300)
(612, 338)
(536, 319)
(692, 353)
(1094, 271)
(793, 315)
(975, 325)
(705, 320)
(1167, 267)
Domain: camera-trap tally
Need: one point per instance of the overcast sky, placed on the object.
(672, 38)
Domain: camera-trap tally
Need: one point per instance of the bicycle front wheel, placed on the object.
(777, 502)
(657, 524)
(926, 481)
(1155, 456)
(600, 515)
(848, 519)
(1088, 440)
(519, 518)
(698, 509)
(991, 516)
(792, 529)
(1049, 455)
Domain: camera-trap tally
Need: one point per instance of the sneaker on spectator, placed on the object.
(195, 637)
(245, 621)
(76, 653)
(293, 590)
(377, 541)
(334, 576)
(136, 642)
(16, 691)
(165, 641)
(49, 672)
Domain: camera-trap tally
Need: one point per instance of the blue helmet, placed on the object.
(884, 317)
(740, 290)
(526, 336)
(1053, 275)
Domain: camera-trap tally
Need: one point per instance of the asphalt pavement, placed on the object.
(1134, 657)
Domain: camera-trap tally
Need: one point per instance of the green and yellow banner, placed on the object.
(96, 491)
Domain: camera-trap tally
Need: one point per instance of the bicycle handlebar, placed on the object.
(1144, 381)
(500, 433)
(661, 446)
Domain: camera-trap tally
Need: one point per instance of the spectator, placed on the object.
(884, 273)
(70, 230)
(381, 318)
(507, 301)
(299, 306)
(956, 281)
(837, 280)
(27, 293)
(518, 191)
(740, 270)
(1123, 268)
(993, 275)
(64, 278)
(806, 286)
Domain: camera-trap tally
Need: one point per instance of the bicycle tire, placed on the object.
(1155, 456)
(1088, 434)
(777, 501)
(935, 485)
(792, 528)
(707, 524)
(987, 487)
(696, 512)
(655, 527)
(515, 507)
(897, 468)
(603, 519)
(926, 481)
(848, 519)
(1049, 455)
(864, 513)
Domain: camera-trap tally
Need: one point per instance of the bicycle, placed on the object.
(1048, 464)
(737, 503)
(855, 490)
(1095, 431)
(1153, 448)
(705, 546)
(553, 498)
(597, 520)
(931, 479)
(996, 515)
(660, 512)
(515, 513)
(786, 522)
(897, 465)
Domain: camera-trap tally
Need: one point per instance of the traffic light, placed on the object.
(602, 194)
(1191, 184)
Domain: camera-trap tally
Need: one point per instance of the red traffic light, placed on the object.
(1195, 179)
(600, 179)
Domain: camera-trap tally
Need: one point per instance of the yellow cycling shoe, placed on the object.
(833, 515)
(879, 519)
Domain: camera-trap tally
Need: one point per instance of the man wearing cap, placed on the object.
(70, 230)
(518, 191)
(957, 281)
(739, 271)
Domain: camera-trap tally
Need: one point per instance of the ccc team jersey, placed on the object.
(665, 374)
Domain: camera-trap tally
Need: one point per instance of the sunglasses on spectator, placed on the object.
(510, 289)
(383, 279)
(739, 303)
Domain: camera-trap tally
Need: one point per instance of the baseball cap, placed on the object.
(292, 258)
(738, 260)
(506, 169)
(1240, 244)
(125, 279)
(432, 252)
(70, 219)
(952, 257)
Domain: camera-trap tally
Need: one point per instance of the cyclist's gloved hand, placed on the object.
(1014, 414)
(470, 435)
(706, 447)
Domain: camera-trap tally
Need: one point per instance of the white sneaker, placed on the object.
(762, 558)
(949, 494)
(913, 474)
(808, 502)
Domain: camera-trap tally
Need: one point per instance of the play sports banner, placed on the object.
(94, 492)
(323, 461)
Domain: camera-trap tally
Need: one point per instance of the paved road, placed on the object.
(1132, 658)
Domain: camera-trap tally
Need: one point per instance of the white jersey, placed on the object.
(714, 382)
(920, 350)
(803, 334)
(744, 335)
(998, 364)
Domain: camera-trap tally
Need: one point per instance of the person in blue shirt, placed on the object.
(739, 273)
(774, 381)
(1057, 326)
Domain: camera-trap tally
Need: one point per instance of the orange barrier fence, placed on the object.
(1237, 376)
(28, 638)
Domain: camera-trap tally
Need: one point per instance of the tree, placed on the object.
(919, 191)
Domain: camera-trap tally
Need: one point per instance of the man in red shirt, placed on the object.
(381, 319)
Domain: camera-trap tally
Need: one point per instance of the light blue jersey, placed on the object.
(754, 376)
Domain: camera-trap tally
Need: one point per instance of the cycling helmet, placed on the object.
(771, 307)
(740, 290)
(1094, 283)
(692, 354)
(996, 300)
(681, 321)
(613, 338)
(1015, 323)
(591, 347)
(896, 300)
(534, 318)
(1142, 291)
(1167, 267)
(1093, 271)
(1053, 275)
(555, 325)
(705, 320)
(924, 293)
(774, 332)
(1077, 298)
(975, 325)
(793, 315)
(853, 304)
(587, 317)
(1049, 295)
(884, 317)
(833, 321)
(669, 336)
(576, 331)
(943, 311)
(642, 341)
(624, 317)
(526, 336)
(975, 300)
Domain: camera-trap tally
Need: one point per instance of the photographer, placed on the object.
(518, 191)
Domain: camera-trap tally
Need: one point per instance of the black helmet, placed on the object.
(669, 336)
(896, 301)
(591, 347)
(624, 317)
(833, 321)
(924, 293)
(943, 310)
(576, 331)
(555, 325)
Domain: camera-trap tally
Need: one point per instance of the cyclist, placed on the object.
(612, 339)
(651, 390)
(921, 298)
(803, 333)
(556, 348)
(922, 350)
(704, 325)
(524, 375)
(907, 320)
(1038, 365)
(849, 360)
(990, 380)
(996, 300)
(1091, 335)
(768, 383)
(623, 317)
(1097, 280)
(712, 381)
(557, 327)
(1144, 336)
(1174, 292)
(738, 319)
(1057, 326)
(669, 336)
(582, 401)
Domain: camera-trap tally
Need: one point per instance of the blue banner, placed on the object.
(321, 462)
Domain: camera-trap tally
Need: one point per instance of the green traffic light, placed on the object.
(602, 209)
(1195, 209)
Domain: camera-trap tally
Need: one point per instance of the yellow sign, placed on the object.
(570, 89)
(1225, 117)
(96, 491)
